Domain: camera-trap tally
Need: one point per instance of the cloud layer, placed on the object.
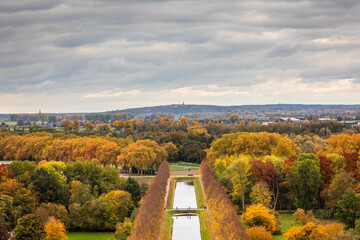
(97, 55)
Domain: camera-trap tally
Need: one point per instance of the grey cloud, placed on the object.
(83, 47)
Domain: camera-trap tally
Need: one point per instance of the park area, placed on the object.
(90, 236)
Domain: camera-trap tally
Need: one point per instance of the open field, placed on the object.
(287, 222)
(184, 166)
(90, 236)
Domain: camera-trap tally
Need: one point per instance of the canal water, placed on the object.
(186, 227)
(185, 195)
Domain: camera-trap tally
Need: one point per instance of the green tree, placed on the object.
(133, 188)
(49, 187)
(305, 180)
(80, 193)
(348, 208)
(338, 186)
(338, 163)
(29, 228)
(119, 205)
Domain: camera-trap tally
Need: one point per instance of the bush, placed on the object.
(29, 228)
(357, 225)
(259, 215)
(321, 213)
(123, 229)
(314, 231)
(258, 233)
(302, 218)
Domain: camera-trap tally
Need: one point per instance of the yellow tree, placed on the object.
(89, 126)
(55, 230)
(240, 171)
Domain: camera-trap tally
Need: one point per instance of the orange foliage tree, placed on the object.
(55, 230)
(147, 223)
(225, 222)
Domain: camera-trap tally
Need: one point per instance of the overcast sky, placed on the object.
(98, 55)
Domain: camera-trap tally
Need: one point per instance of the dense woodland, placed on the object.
(70, 180)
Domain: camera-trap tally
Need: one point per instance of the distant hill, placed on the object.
(190, 108)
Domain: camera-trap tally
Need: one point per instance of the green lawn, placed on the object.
(287, 222)
(184, 166)
(205, 229)
(167, 226)
(90, 236)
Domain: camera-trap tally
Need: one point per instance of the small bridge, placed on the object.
(185, 210)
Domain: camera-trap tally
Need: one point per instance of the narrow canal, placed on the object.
(185, 226)
(185, 195)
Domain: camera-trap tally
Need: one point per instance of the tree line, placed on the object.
(148, 221)
(225, 221)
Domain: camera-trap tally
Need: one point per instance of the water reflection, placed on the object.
(185, 195)
(186, 227)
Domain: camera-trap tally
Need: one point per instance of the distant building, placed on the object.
(291, 119)
(351, 123)
(326, 119)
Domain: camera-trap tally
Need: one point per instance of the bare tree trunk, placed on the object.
(243, 199)
(276, 197)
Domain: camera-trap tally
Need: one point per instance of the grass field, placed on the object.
(170, 197)
(184, 166)
(205, 229)
(287, 222)
(167, 226)
(90, 236)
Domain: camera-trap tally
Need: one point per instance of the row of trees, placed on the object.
(225, 222)
(142, 155)
(256, 144)
(151, 212)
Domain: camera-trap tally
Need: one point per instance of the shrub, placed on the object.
(357, 225)
(302, 218)
(123, 229)
(314, 231)
(258, 233)
(259, 215)
(29, 228)
(321, 213)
